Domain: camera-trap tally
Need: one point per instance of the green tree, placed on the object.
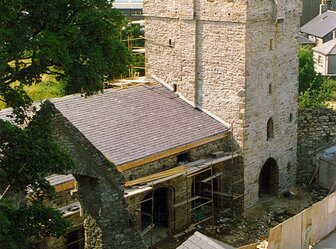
(308, 78)
(27, 157)
(133, 36)
(76, 41)
(314, 89)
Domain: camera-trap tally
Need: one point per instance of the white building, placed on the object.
(325, 58)
(322, 28)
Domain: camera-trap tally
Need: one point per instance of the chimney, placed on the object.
(325, 5)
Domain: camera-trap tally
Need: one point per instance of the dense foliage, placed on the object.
(133, 36)
(27, 157)
(314, 89)
(77, 43)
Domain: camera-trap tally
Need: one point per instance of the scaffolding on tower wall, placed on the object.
(203, 194)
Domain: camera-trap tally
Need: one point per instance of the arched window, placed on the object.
(270, 129)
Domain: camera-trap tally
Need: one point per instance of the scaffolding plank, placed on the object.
(186, 201)
(239, 181)
(201, 205)
(234, 196)
(200, 171)
(194, 170)
(212, 177)
(200, 222)
(163, 174)
(131, 192)
(147, 229)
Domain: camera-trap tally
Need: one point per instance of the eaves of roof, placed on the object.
(321, 25)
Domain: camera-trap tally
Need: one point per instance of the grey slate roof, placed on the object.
(59, 179)
(126, 125)
(327, 48)
(200, 241)
(305, 41)
(321, 25)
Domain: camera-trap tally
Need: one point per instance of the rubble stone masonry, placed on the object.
(238, 61)
(106, 218)
(317, 131)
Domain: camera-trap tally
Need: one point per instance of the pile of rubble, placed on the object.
(254, 226)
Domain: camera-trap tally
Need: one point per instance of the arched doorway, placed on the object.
(156, 204)
(269, 178)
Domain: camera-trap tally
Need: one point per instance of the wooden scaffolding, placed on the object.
(200, 194)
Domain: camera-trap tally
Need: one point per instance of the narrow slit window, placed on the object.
(175, 88)
(270, 129)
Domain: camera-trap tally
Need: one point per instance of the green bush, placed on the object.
(314, 89)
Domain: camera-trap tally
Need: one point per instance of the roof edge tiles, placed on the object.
(201, 241)
(321, 25)
(327, 48)
(134, 126)
(151, 158)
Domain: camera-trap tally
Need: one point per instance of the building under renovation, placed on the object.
(214, 132)
(176, 165)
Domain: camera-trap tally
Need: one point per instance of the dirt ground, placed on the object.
(254, 224)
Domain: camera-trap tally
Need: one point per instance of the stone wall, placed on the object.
(316, 131)
(61, 243)
(106, 219)
(169, 162)
(238, 61)
(271, 92)
(211, 76)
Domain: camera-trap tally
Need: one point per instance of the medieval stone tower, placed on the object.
(237, 61)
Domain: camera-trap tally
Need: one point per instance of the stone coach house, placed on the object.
(147, 164)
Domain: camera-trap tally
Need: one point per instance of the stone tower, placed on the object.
(237, 61)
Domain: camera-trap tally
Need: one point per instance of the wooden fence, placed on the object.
(304, 229)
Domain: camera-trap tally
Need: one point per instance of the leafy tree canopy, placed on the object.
(308, 78)
(314, 89)
(27, 156)
(77, 41)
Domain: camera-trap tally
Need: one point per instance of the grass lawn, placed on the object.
(48, 88)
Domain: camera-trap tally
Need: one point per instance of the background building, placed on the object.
(311, 8)
(131, 8)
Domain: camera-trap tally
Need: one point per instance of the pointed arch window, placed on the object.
(270, 129)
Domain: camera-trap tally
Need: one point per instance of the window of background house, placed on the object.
(136, 13)
(319, 60)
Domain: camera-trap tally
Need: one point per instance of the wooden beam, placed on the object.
(153, 177)
(191, 199)
(65, 186)
(176, 150)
